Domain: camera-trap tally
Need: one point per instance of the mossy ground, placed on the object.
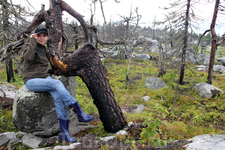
(183, 114)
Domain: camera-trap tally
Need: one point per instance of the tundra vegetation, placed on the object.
(175, 112)
(191, 115)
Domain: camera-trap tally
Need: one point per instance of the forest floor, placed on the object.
(89, 141)
(182, 112)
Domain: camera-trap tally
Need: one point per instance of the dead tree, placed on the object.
(184, 42)
(84, 62)
(214, 42)
(129, 35)
(5, 28)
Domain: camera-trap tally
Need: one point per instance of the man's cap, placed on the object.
(41, 30)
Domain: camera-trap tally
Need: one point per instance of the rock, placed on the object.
(153, 45)
(201, 68)
(139, 108)
(140, 41)
(207, 90)
(121, 132)
(141, 56)
(35, 112)
(71, 146)
(10, 135)
(3, 140)
(146, 98)
(203, 58)
(12, 143)
(9, 90)
(132, 108)
(147, 42)
(197, 58)
(130, 124)
(155, 83)
(49, 141)
(75, 126)
(107, 138)
(112, 53)
(31, 140)
(219, 68)
(221, 60)
(201, 142)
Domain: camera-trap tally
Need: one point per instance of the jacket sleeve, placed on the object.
(29, 49)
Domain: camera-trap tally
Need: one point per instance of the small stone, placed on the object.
(121, 132)
(130, 124)
(107, 138)
(139, 108)
(10, 135)
(71, 146)
(146, 98)
(31, 141)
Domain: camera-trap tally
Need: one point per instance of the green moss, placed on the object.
(183, 113)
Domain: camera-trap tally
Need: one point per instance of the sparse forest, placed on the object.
(111, 62)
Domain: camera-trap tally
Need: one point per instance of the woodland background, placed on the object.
(178, 112)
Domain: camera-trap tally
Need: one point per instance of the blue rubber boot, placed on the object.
(64, 134)
(82, 116)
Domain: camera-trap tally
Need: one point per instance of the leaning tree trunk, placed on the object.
(85, 62)
(214, 42)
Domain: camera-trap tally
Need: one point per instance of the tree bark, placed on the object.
(214, 43)
(86, 63)
(9, 70)
(185, 44)
(8, 63)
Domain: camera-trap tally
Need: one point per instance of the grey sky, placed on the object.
(147, 8)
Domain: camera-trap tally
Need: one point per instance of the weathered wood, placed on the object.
(86, 63)
(185, 39)
(9, 70)
(214, 42)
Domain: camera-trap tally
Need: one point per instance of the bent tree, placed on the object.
(84, 62)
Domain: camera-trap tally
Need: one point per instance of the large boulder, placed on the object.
(35, 112)
(155, 83)
(219, 68)
(206, 90)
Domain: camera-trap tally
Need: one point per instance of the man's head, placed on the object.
(42, 35)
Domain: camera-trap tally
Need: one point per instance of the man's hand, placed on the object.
(34, 35)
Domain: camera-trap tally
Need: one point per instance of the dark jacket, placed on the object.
(35, 60)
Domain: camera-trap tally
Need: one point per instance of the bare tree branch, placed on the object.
(201, 38)
(102, 11)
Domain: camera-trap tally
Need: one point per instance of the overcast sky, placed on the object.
(147, 8)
